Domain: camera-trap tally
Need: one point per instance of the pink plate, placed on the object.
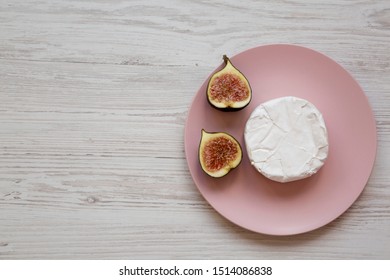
(250, 200)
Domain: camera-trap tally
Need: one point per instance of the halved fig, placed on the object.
(228, 89)
(219, 152)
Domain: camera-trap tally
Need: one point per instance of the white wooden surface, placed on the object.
(93, 100)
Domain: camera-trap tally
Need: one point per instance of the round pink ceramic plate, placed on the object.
(250, 200)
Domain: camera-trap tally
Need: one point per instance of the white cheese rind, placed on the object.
(286, 139)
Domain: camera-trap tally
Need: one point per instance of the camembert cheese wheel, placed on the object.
(286, 139)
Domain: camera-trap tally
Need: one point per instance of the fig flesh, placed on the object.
(228, 89)
(219, 153)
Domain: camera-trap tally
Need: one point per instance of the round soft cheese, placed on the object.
(286, 139)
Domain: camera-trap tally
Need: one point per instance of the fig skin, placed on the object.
(229, 68)
(208, 136)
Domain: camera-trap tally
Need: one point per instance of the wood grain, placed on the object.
(93, 101)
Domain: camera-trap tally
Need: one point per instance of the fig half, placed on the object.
(219, 153)
(228, 89)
